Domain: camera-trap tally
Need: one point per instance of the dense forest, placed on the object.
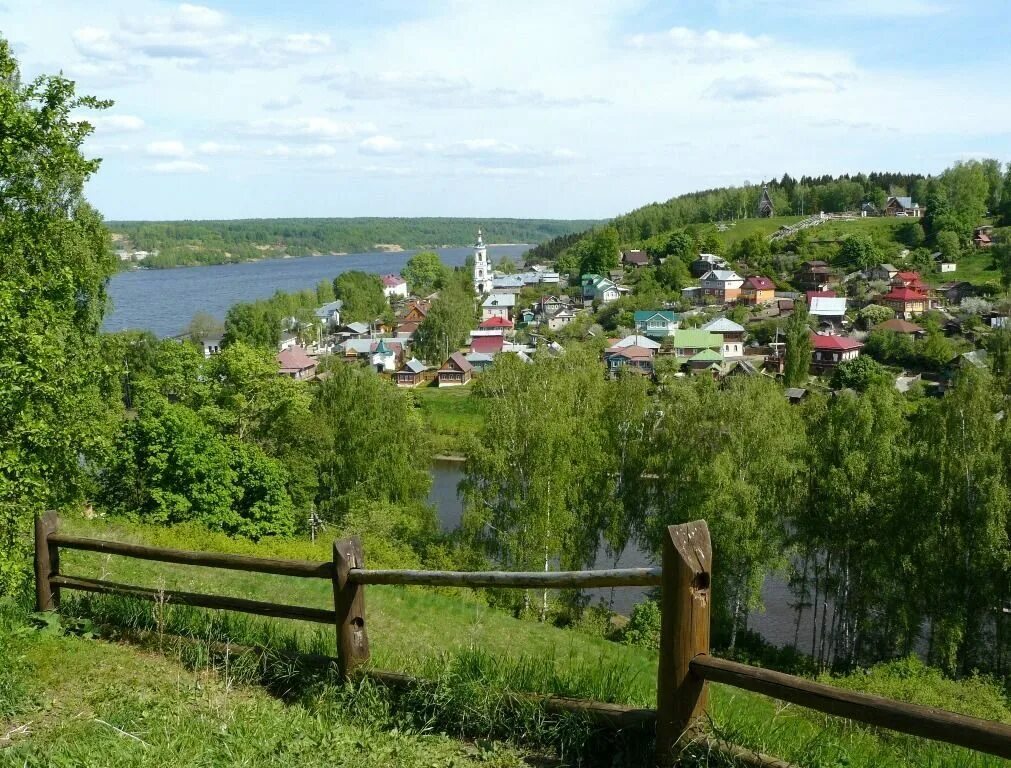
(188, 243)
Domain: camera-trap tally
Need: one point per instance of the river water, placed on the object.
(164, 301)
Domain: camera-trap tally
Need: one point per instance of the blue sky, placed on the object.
(527, 108)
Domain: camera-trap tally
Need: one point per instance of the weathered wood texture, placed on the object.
(303, 568)
(47, 562)
(349, 604)
(173, 597)
(619, 577)
(684, 633)
(937, 724)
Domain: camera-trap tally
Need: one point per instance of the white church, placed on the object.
(482, 275)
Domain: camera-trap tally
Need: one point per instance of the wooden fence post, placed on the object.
(47, 563)
(684, 633)
(349, 605)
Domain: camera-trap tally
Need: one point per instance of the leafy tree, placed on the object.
(55, 260)
(754, 250)
(372, 444)
(910, 234)
(673, 274)
(424, 273)
(257, 324)
(859, 374)
(448, 322)
(797, 364)
(874, 314)
(1001, 255)
(362, 295)
(204, 326)
(1005, 198)
(949, 245)
(934, 350)
(506, 265)
(598, 254)
(890, 347)
(859, 252)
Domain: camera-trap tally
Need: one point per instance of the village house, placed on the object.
(815, 275)
(384, 354)
(829, 309)
(943, 265)
(560, 319)
(481, 361)
(211, 346)
(599, 289)
(705, 361)
(635, 340)
(356, 330)
(489, 345)
(706, 262)
(982, 239)
(688, 342)
(884, 272)
(412, 374)
(908, 280)
(903, 206)
(501, 324)
(757, 290)
(413, 315)
(498, 305)
(329, 316)
(394, 286)
(829, 351)
(898, 325)
(634, 258)
(955, 292)
(549, 305)
(639, 359)
(455, 372)
(527, 316)
(724, 285)
(656, 323)
(907, 302)
(731, 333)
(296, 364)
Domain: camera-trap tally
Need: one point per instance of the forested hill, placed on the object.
(187, 243)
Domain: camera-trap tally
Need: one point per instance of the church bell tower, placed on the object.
(482, 279)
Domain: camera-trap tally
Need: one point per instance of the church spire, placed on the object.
(482, 277)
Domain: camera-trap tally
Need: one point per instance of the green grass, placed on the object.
(746, 227)
(474, 653)
(452, 414)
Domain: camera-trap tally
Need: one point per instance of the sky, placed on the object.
(526, 108)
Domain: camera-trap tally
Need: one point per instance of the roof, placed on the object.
(635, 256)
(908, 277)
(329, 308)
(905, 201)
(500, 300)
(897, 325)
(888, 267)
(636, 341)
(828, 306)
(421, 306)
(722, 275)
(358, 346)
(488, 344)
(460, 363)
(695, 338)
(723, 325)
(386, 347)
(759, 283)
(357, 327)
(631, 352)
(706, 356)
(795, 393)
(497, 322)
(414, 365)
(643, 315)
(294, 359)
(905, 294)
(834, 342)
(479, 358)
(983, 237)
(392, 281)
(819, 294)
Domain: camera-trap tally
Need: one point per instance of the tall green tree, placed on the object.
(797, 365)
(448, 322)
(256, 323)
(363, 297)
(598, 253)
(55, 259)
(859, 252)
(424, 273)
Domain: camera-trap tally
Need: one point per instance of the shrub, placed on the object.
(643, 628)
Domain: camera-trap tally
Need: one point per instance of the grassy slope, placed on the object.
(89, 703)
(452, 414)
(747, 227)
(422, 631)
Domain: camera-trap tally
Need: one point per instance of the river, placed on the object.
(164, 300)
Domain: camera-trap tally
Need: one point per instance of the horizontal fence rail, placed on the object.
(937, 724)
(618, 577)
(685, 666)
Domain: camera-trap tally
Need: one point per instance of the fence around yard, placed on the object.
(685, 665)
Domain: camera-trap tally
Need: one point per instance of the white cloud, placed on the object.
(178, 166)
(106, 124)
(761, 87)
(170, 148)
(381, 145)
(282, 102)
(307, 129)
(216, 148)
(706, 44)
(497, 153)
(317, 151)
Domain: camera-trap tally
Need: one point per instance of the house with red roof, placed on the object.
(829, 351)
(296, 364)
(908, 280)
(394, 286)
(635, 358)
(757, 290)
(907, 302)
(489, 345)
(502, 324)
(982, 239)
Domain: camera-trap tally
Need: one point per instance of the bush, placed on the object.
(643, 628)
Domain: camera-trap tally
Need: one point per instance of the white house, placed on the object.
(560, 319)
(394, 286)
(943, 265)
(329, 315)
(498, 305)
(599, 289)
(724, 285)
(732, 334)
(212, 346)
(383, 358)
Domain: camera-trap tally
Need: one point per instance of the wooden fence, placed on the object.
(685, 666)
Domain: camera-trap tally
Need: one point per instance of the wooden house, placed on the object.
(757, 290)
(829, 351)
(296, 364)
(412, 374)
(455, 372)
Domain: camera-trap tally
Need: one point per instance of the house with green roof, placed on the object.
(688, 342)
(597, 288)
(656, 323)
